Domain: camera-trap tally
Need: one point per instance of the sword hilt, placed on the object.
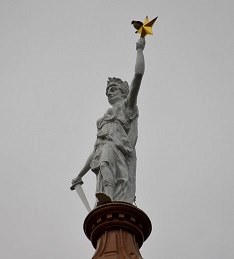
(74, 185)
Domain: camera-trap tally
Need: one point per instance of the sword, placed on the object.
(77, 186)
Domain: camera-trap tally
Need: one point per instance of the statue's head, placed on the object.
(116, 89)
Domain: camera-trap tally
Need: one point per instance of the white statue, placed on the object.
(113, 159)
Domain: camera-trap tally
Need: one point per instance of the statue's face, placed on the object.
(114, 94)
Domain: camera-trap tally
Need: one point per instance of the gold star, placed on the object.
(147, 27)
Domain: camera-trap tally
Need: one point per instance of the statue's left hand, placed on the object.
(140, 44)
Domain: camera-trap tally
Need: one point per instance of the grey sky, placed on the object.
(55, 60)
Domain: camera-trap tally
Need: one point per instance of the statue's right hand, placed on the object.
(77, 180)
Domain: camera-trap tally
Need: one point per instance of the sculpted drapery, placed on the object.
(115, 145)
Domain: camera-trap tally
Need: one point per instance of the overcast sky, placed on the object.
(55, 57)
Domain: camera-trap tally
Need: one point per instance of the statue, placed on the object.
(113, 159)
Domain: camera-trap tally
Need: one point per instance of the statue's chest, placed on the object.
(114, 114)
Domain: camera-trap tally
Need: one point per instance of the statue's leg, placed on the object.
(108, 182)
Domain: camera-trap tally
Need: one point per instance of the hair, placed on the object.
(122, 85)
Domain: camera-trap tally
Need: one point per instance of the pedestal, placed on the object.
(117, 230)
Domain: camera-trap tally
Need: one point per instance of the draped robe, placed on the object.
(116, 140)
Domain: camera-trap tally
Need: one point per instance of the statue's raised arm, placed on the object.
(139, 72)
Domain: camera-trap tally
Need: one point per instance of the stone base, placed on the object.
(117, 230)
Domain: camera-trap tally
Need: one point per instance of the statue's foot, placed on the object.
(102, 198)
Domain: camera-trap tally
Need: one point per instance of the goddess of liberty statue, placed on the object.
(113, 158)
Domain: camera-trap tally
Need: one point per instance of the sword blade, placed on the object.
(82, 196)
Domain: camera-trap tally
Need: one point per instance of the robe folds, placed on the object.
(116, 140)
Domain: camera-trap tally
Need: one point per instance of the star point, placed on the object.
(146, 28)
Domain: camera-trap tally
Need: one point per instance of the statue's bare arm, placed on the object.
(84, 170)
(139, 72)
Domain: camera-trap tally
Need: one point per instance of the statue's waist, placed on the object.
(106, 136)
(122, 144)
(113, 125)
